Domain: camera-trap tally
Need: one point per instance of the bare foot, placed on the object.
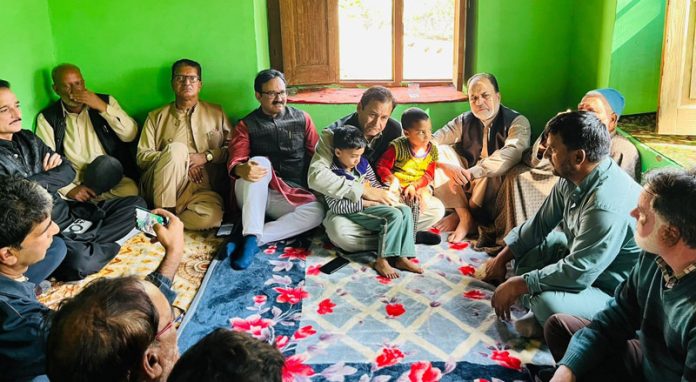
(448, 223)
(405, 264)
(383, 268)
(492, 272)
(462, 231)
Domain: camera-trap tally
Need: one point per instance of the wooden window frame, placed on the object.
(461, 66)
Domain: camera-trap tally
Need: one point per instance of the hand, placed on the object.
(172, 239)
(195, 174)
(250, 171)
(506, 294)
(197, 160)
(459, 175)
(88, 98)
(368, 203)
(380, 196)
(563, 374)
(81, 193)
(409, 193)
(424, 196)
(51, 161)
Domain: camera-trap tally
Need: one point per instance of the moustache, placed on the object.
(279, 102)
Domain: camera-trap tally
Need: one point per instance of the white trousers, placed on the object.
(257, 201)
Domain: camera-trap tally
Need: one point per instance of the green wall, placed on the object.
(126, 48)
(636, 53)
(28, 54)
(526, 44)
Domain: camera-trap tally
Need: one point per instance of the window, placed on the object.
(349, 42)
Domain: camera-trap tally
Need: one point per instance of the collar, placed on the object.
(668, 275)
(592, 179)
(178, 113)
(16, 288)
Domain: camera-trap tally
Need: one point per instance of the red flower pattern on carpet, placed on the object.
(291, 295)
(295, 253)
(423, 371)
(474, 294)
(467, 270)
(281, 341)
(504, 358)
(260, 299)
(325, 306)
(254, 325)
(304, 332)
(313, 270)
(294, 366)
(459, 246)
(434, 230)
(395, 310)
(389, 356)
(270, 250)
(383, 280)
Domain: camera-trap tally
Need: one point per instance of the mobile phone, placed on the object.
(334, 265)
(225, 230)
(78, 226)
(145, 221)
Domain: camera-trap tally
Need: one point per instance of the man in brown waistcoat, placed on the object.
(269, 153)
(476, 149)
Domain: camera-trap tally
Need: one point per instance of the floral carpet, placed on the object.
(353, 325)
(139, 257)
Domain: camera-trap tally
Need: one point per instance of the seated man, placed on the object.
(269, 154)
(92, 131)
(526, 185)
(181, 149)
(476, 149)
(225, 355)
(26, 232)
(23, 154)
(656, 300)
(373, 118)
(577, 269)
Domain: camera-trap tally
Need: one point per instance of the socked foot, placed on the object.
(448, 223)
(405, 264)
(384, 269)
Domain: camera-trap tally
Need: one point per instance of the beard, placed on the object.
(652, 242)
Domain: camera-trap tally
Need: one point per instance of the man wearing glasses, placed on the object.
(270, 151)
(26, 233)
(180, 146)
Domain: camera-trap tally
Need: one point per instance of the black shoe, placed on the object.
(427, 238)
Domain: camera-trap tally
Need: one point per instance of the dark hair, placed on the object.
(266, 75)
(581, 130)
(674, 199)
(4, 84)
(411, 116)
(60, 68)
(225, 355)
(487, 76)
(23, 205)
(348, 137)
(379, 94)
(102, 333)
(187, 62)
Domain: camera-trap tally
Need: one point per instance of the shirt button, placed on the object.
(16, 156)
(170, 140)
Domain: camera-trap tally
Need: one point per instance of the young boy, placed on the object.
(394, 224)
(409, 163)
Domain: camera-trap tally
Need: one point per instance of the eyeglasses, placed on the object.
(171, 323)
(184, 79)
(272, 94)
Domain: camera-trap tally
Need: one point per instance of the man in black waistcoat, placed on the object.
(93, 132)
(269, 155)
(23, 154)
(476, 149)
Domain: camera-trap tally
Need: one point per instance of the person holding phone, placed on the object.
(26, 232)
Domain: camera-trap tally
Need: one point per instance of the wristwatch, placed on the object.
(208, 155)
